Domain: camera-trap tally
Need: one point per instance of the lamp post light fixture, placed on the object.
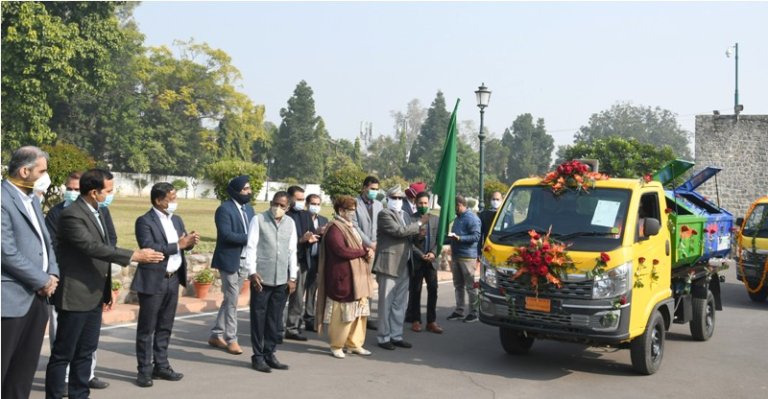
(269, 162)
(734, 51)
(483, 96)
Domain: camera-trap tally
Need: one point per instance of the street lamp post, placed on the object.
(734, 50)
(483, 96)
(269, 162)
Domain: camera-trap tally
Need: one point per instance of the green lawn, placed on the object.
(198, 215)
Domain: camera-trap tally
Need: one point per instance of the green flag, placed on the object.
(445, 182)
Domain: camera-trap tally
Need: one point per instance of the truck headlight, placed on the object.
(614, 282)
(488, 275)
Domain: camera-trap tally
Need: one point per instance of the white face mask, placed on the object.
(42, 184)
(395, 204)
(299, 206)
(172, 207)
(315, 209)
(495, 204)
(277, 211)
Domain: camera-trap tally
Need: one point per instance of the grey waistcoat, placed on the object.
(272, 255)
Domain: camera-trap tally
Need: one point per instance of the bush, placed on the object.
(205, 276)
(489, 187)
(180, 184)
(390, 182)
(346, 180)
(63, 160)
(223, 171)
(116, 285)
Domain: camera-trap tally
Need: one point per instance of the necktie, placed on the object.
(245, 219)
(98, 222)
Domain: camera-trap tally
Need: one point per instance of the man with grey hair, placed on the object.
(29, 270)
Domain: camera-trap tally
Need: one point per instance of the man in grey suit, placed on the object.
(391, 265)
(424, 269)
(29, 270)
(366, 219)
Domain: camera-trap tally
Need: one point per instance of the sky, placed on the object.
(561, 62)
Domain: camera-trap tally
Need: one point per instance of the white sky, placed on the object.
(558, 61)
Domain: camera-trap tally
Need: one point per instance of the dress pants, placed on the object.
(22, 338)
(295, 311)
(52, 326)
(266, 315)
(310, 293)
(393, 299)
(463, 270)
(226, 321)
(153, 332)
(424, 271)
(76, 340)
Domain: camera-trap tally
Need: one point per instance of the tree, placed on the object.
(222, 172)
(530, 148)
(426, 151)
(492, 186)
(467, 170)
(620, 157)
(301, 141)
(343, 180)
(648, 125)
(63, 159)
(409, 122)
(496, 159)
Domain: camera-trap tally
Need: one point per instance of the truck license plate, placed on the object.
(538, 304)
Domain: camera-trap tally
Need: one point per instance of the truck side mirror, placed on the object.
(739, 222)
(651, 227)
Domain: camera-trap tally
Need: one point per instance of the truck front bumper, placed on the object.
(600, 322)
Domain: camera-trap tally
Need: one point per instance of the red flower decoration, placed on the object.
(668, 210)
(540, 261)
(623, 300)
(641, 260)
(648, 178)
(604, 257)
(655, 262)
(476, 285)
(572, 174)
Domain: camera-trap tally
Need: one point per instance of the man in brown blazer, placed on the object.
(394, 235)
(85, 258)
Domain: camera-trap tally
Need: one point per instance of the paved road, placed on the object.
(465, 362)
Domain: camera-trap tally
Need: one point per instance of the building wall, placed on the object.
(740, 147)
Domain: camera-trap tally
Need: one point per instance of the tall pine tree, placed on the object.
(530, 148)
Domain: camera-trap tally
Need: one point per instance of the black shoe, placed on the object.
(274, 363)
(455, 316)
(370, 325)
(96, 383)
(471, 318)
(387, 345)
(279, 340)
(167, 374)
(144, 380)
(295, 336)
(401, 344)
(309, 326)
(261, 365)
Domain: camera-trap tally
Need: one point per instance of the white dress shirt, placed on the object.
(27, 199)
(172, 236)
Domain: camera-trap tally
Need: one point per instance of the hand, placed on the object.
(147, 255)
(424, 218)
(373, 246)
(453, 236)
(255, 281)
(291, 286)
(309, 237)
(322, 229)
(429, 257)
(369, 254)
(187, 240)
(49, 288)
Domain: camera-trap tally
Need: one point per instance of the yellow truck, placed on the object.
(752, 250)
(580, 257)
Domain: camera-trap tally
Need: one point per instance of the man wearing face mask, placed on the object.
(392, 267)
(232, 219)
(318, 225)
(303, 222)
(366, 219)
(71, 192)
(272, 268)
(85, 256)
(409, 205)
(464, 236)
(424, 269)
(29, 271)
(486, 218)
(157, 284)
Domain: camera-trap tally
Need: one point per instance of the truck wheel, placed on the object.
(647, 350)
(759, 296)
(703, 322)
(515, 342)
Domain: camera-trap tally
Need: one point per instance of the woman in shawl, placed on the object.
(344, 282)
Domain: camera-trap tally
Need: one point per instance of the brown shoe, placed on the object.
(234, 349)
(217, 343)
(416, 326)
(434, 328)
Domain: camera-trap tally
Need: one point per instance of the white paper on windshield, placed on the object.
(605, 213)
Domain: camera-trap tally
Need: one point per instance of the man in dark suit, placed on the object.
(86, 279)
(392, 267)
(71, 192)
(317, 227)
(424, 269)
(157, 284)
(305, 237)
(232, 219)
(29, 271)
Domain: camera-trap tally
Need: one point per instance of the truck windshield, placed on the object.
(591, 221)
(757, 223)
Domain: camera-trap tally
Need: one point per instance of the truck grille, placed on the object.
(548, 320)
(569, 290)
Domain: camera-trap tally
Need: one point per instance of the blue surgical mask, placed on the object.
(315, 209)
(372, 194)
(70, 197)
(107, 201)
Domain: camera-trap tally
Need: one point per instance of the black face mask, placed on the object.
(242, 199)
